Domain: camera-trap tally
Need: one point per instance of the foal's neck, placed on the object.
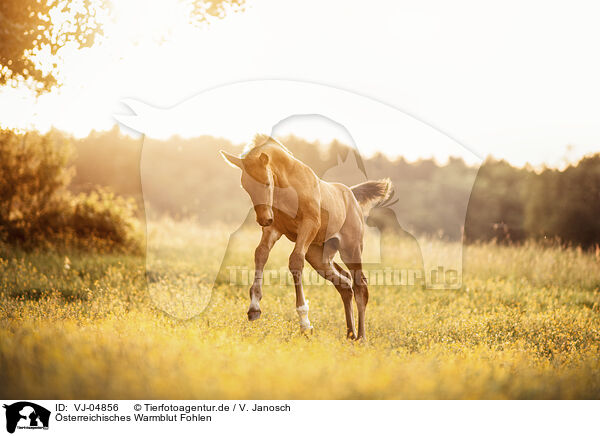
(283, 165)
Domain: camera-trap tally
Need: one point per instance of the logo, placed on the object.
(26, 415)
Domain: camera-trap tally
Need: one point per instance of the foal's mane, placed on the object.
(261, 139)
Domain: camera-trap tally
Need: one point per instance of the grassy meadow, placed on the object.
(525, 325)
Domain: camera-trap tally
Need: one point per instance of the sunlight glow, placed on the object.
(522, 96)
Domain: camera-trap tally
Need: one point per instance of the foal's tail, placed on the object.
(372, 193)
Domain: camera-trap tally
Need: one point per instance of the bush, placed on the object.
(36, 209)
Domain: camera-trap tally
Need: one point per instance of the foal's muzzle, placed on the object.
(264, 215)
(266, 223)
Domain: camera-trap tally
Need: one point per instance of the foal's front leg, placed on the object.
(261, 254)
(306, 233)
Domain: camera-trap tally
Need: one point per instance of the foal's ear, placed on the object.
(264, 159)
(231, 159)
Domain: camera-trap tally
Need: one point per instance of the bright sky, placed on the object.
(282, 107)
(515, 79)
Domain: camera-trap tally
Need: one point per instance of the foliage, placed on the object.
(29, 27)
(33, 171)
(99, 222)
(566, 204)
(524, 326)
(36, 210)
(497, 205)
(202, 9)
(506, 204)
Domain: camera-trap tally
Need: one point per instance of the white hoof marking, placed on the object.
(303, 315)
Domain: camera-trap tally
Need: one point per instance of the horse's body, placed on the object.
(321, 218)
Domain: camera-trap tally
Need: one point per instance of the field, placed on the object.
(525, 325)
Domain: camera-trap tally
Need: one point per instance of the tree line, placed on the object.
(188, 178)
(504, 203)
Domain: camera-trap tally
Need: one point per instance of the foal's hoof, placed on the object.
(253, 315)
(307, 330)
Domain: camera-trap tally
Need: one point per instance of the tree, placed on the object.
(37, 210)
(33, 171)
(27, 27)
(30, 27)
(496, 207)
(566, 204)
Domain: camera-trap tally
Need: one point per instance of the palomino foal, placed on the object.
(321, 218)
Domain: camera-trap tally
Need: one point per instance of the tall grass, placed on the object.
(526, 324)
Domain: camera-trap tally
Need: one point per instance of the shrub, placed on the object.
(36, 209)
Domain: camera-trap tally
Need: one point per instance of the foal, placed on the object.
(321, 218)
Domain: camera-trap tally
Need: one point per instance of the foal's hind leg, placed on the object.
(352, 258)
(321, 259)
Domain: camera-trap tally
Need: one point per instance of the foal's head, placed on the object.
(257, 180)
